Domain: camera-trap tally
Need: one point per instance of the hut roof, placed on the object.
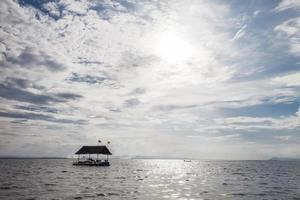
(93, 150)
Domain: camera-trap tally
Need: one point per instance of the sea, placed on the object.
(33, 179)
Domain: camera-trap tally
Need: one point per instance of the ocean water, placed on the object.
(149, 179)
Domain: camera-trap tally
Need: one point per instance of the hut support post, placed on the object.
(97, 156)
(107, 157)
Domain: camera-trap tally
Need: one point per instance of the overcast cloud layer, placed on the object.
(199, 79)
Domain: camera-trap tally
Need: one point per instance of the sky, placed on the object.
(205, 79)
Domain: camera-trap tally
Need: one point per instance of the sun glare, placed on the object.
(172, 48)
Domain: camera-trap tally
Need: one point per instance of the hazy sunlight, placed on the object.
(172, 48)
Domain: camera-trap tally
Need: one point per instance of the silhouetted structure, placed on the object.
(90, 150)
(93, 150)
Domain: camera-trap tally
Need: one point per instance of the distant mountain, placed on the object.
(285, 159)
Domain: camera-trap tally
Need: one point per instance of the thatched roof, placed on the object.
(93, 150)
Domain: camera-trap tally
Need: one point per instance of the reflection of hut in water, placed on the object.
(92, 150)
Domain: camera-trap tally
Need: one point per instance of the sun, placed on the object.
(172, 48)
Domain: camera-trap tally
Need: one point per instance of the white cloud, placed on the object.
(256, 13)
(288, 4)
(284, 137)
(248, 123)
(112, 58)
(292, 79)
(240, 33)
(290, 30)
(52, 8)
(298, 112)
(224, 138)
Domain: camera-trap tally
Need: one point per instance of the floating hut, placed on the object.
(92, 150)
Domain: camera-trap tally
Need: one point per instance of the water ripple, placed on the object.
(150, 179)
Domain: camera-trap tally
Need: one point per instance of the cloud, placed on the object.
(137, 91)
(131, 102)
(289, 80)
(284, 137)
(12, 93)
(52, 9)
(240, 33)
(21, 83)
(256, 13)
(86, 78)
(287, 4)
(30, 59)
(250, 123)
(108, 69)
(33, 116)
(224, 138)
(16, 89)
(69, 96)
(35, 108)
(290, 30)
(298, 112)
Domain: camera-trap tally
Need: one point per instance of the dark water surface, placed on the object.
(149, 179)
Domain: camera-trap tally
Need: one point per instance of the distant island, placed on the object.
(285, 159)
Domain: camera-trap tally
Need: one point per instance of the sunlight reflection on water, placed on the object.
(150, 179)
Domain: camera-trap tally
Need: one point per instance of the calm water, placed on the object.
(150, 179)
